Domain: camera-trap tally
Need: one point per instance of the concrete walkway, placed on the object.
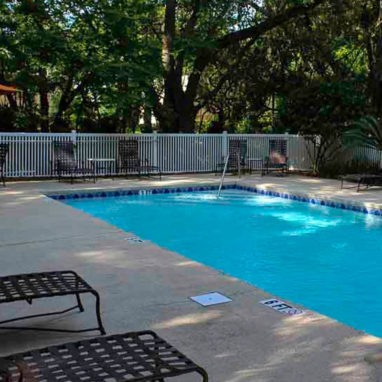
(147, 287)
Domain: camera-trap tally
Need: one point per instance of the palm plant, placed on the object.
(366, 132)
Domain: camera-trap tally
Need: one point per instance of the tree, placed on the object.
(78, 57)
(194, 34)
(370, 20)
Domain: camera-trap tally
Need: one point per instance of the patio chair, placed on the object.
(237, 160)
(65, 164)
(277, 159)
(136, 356)
(129, 161)
(362, 180)
(4, 148)
(32, 286)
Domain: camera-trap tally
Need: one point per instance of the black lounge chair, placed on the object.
(237, 157)
(363, 181)
(277, 160)
(4, 148)
(31, 286)
(65, 164)
(129, 161)
(137, 356)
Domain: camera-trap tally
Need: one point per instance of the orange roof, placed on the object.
(7, 89)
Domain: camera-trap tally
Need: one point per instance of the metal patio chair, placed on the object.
(31, 286)
(4, 148)
(363, 181)
(129, 161)
(66, 165)
(136, 356)
(277, 160)
(237, 160)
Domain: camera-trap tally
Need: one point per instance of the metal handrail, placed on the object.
(223, 175)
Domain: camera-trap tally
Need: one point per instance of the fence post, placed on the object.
(155, 139)
(225, 144)
(73, 137)
(287, 144)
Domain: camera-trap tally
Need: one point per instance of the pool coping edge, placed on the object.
(152, 190)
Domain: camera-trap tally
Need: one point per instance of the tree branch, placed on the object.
(267, 25)
(204, 56)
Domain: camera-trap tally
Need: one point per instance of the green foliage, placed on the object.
(99, 64)
(366, 132)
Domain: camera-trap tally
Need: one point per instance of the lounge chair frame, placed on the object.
(31, 286)
(4, 148)
(363, 181)
(237, 157)
(129, 161)
(136, 356)
(277, 150)
(65, 163)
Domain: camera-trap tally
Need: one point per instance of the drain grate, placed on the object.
(213, 298)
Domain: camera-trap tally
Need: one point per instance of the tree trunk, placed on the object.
(177, 115)
(66, 99)
(147, 120)
(371, 19)
(44, 111)
(134, 115)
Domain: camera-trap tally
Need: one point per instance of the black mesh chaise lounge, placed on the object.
(31, 286)
(129, 161)
(66, 165)
(237, 157)
(277, 160)
(363, 181)
(136, 356)
(4, 148)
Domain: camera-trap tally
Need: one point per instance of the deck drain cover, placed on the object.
(213, 298)
(282, 307)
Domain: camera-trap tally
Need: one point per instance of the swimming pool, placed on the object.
(326, 259)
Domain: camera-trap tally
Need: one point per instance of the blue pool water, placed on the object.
(326, 259)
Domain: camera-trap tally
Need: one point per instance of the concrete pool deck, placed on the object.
(143, 286)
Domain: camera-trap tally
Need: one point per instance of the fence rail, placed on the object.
(31, 154)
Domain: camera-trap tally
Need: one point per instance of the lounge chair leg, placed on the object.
(203, 373)
(98, 313)
(79, 302)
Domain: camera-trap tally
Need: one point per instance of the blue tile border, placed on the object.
(167, 190)
(130, 192)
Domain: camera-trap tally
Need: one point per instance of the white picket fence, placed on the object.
(30, 154)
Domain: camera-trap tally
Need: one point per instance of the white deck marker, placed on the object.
(134, 240)
(213, 298)
(282, 307)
